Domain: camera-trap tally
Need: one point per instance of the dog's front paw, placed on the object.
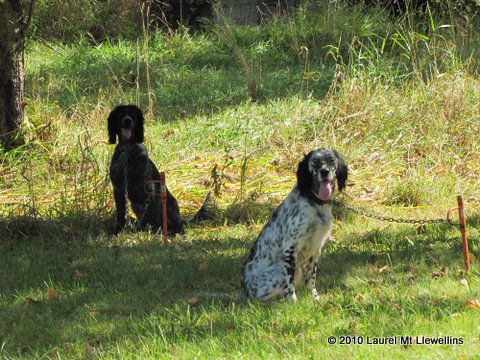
(289, 293)
(291, 297)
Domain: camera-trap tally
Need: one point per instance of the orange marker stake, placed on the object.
(463, 230)
(163, 198)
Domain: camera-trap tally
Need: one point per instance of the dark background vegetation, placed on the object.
(126, 18)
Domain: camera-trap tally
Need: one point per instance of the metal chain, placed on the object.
(391, 219)
(125, 174)
(146, 204)
(123, 154)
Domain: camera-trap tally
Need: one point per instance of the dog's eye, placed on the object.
(331, 161)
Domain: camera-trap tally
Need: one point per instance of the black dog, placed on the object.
(130, 170)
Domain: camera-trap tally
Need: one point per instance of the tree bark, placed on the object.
(12, 106)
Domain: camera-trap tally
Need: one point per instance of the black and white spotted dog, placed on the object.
(288, 247)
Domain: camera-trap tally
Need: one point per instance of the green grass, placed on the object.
(132, 296)
(405, 118)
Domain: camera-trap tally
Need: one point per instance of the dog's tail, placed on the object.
(207, 211)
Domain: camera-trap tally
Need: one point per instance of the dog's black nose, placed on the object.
(324, 173)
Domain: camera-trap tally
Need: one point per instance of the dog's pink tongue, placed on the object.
(325, 191)
(127, 133)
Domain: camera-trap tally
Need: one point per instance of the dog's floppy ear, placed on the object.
(112, 126)
(138, 133)
(304, 177)
(342, 171)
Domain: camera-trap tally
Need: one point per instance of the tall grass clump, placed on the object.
(351, 76)
(102, 20)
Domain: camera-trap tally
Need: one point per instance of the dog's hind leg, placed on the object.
(268, 284)
(280, 278)
(272, 282)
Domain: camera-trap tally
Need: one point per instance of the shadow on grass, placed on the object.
(101, 280)
(109, 286)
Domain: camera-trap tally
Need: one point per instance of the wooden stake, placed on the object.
(463, 230)
(163, 198)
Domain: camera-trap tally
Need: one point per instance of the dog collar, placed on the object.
(310, 195)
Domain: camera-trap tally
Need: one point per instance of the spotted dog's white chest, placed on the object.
(319, 226)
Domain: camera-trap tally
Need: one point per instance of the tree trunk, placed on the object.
(12, 106)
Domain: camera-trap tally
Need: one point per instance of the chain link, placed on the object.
(391, 219)
(144, 211)
(123, 154)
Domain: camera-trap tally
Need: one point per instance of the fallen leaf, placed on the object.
(441, 273)
(473, 304)
(53, 294)
(366, 190)
(77, 275)
(31, 301)
(169, 133)
(89, 349)
(408, 267)
(471, 257)
(359, 297)
(383, 269)
(92, 311)
(464, 282)
(76, 263)
(193, 301)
